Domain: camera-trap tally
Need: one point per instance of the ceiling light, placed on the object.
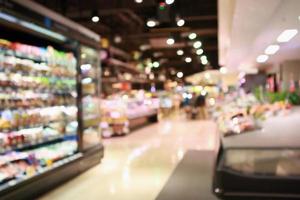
(262, 58)
(138, 1)
(169, 2)
(180, 22)
(192, 36)
(203, 57)
(272, 49)
(180, 52)
(287, 35)
(179, 74)
(170, 41)
(95, 19)
(197, 44)
(151, 23)
(117, 39)
(223, 70)
(199, 51)
(188, 59)
(155, 64)
(204, 62)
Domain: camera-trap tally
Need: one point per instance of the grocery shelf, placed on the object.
(36, 71)
(40, 142)
(22, 56)
(41, 171)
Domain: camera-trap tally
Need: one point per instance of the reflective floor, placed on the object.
(137, 166)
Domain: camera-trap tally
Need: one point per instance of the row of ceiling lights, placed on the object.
(196, 45)
(169, 2)
(285, 36)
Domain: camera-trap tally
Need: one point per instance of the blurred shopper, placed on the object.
(200, 107)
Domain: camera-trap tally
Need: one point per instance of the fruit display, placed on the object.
(243, 113)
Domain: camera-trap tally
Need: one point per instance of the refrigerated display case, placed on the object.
(124, 112)
(90, 82)
(262, 164)
(43, 100)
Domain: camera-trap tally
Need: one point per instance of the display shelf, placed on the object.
(8, 52)
(42, 170)
(24, 56)
(40, 142)
(47, 77)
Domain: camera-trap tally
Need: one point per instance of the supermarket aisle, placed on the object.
(137, 166)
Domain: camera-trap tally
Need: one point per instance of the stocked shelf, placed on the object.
(38, 112)
(41, 170)
(45, 94)
(39, 142)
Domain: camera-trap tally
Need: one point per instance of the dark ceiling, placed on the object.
(127, 19)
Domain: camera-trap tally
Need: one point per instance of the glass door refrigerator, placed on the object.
(90, 98)
(49, 86)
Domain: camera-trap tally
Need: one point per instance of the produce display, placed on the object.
(242, 113)
(38, 112)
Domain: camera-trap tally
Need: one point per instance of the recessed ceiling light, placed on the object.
(197, 44)
(155, 64)
(272, 49)
(117, 39)
(138, 1)
(170, 41)
(287, 35)
(179, 74)
(204, 62)
(203, 57)
(169, 2)
(262, 58)
(180, 52)
(95, 19)
(192, 36)
(199, 51)
(180, 22)
(151, 23)
(188, 59)
(223, 70)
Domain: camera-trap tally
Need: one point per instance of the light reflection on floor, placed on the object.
(137, 166)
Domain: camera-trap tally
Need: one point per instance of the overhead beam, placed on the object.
(201, 18)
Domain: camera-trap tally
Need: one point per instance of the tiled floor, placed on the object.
(137, 166)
